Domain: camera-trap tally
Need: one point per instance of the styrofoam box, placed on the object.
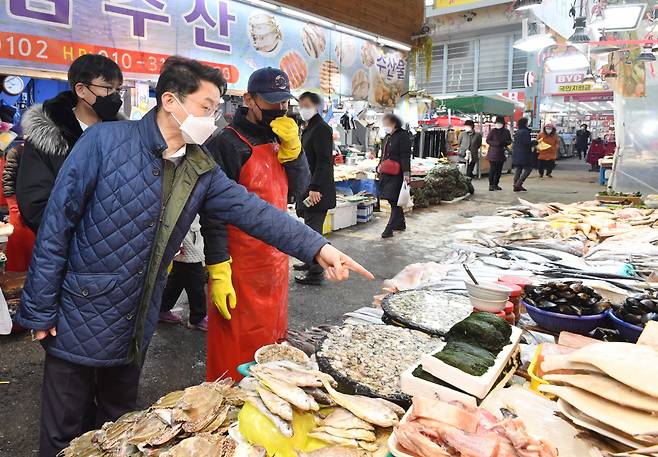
(344, 215)
(478, 386)
(412, 385)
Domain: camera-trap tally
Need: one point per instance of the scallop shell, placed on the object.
(264, 33)
(295, 67)
(346, 51)
(314, 40)
(360, 85)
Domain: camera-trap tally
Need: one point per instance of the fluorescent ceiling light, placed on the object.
(534, 43)
(305, 16)
(522, 5)
(394, 44)
(623, 17)
(356, 33)
(568, 62)
(262, 4)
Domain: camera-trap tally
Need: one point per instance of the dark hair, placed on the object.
(392, 118)
(583, 125)
(182, 76)
(87, 67)
(500, 120)
(523, 122)
(312, 96)
(469, 123)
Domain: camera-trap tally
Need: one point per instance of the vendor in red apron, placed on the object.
(261, 150)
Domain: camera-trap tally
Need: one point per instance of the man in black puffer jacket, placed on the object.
(51, 129)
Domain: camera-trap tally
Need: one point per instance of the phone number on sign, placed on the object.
(57, 52)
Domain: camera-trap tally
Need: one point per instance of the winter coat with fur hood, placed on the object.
(51, 129)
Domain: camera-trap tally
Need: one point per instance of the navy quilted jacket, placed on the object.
(96, 260)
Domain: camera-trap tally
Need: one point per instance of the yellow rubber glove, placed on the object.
(288, 132)
(221, 288)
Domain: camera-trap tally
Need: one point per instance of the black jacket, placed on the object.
(12, 161)
(583, 138)
(522, 153)
(498, 140)
(231, 153)
(397, 146)
(318, 145)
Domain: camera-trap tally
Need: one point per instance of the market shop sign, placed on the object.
(566, 83)
(235, 37)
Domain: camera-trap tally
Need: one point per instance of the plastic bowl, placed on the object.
(492, 306)
(490, 291)
(556, 322)
(630, 332)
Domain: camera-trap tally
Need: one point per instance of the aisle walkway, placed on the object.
(176, 358)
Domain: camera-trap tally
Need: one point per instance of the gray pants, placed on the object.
(520, 175)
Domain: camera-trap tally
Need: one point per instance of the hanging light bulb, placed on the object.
(579, 34)
(646, 55)
(522, 5)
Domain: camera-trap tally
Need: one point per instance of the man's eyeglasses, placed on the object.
(109, 90)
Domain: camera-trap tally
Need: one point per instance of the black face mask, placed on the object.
(268, 115)
(108, 106)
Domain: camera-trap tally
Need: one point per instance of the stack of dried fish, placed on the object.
(277, 389)
(309, 339)
(369, 359)
(193, 422)
(610, 390)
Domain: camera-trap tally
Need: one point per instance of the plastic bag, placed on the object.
(259, 430)
(404, 199)
(5, 318)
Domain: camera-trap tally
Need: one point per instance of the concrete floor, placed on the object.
(176, 358)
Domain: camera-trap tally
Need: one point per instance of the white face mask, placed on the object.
(307, 113)
(500, 126)
(388, 129)
(195, 129)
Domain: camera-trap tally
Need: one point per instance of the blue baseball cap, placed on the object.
(270, 83)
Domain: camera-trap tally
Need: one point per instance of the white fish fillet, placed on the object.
(289, 392)
(559, 362)
(630, 421)
(609, 388)
(366, 408)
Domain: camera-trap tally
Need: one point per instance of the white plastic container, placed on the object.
(412, 385)
(488, 291)
(344, 216)
(478, 386)
(492, 306)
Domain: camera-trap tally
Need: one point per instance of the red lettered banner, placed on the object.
(58, 52)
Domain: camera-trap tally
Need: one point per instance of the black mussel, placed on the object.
(567, 294)
(537, 292)
(562, 301)
(648, 317)
(618, 309)
(636, 309)
(528, 289)
(604, 304)
(561, 286)
(596, 309)
(633, 319)
(606, 334)
(530, 301)
(593, 301)
(576, 287)
(588, 290)
(570, 310)
(634, 300)
(583, 296)
(553, 297)
(546, 290)
(546, 304)
(649, 304)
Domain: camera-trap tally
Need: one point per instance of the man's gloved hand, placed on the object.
(221, 288)
(288, 132)
(469, 156)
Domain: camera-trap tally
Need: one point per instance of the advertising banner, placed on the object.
(568, 83)
(235, 37)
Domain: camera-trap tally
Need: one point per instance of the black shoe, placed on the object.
(549, 176)
(401, 228)
(388, 233)
(499, 188)
(517, 189)
(300, 267)
(310, 280)
(492, 188)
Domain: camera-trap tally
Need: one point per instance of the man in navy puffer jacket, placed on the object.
(121, 206)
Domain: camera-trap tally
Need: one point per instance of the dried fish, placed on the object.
(366, 408)
(275, 404)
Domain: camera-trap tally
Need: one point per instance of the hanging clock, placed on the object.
(13, 85)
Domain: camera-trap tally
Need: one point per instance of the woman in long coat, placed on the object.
(524, 157)
(397, 148)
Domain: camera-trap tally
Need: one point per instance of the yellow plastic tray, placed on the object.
(536, 380)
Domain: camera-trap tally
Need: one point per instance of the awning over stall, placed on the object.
(480, 104)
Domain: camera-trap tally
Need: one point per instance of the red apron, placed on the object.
(260, 277)
(21, 241)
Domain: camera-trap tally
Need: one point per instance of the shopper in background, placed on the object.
(470, 142)
(21, 241)
(498, 139)
(261, 150)
(318, 146)
(583, 139)
(394, 169)
(52, 128)
(123, 202)
(524, 157)
(548, 144)
(187, 273)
